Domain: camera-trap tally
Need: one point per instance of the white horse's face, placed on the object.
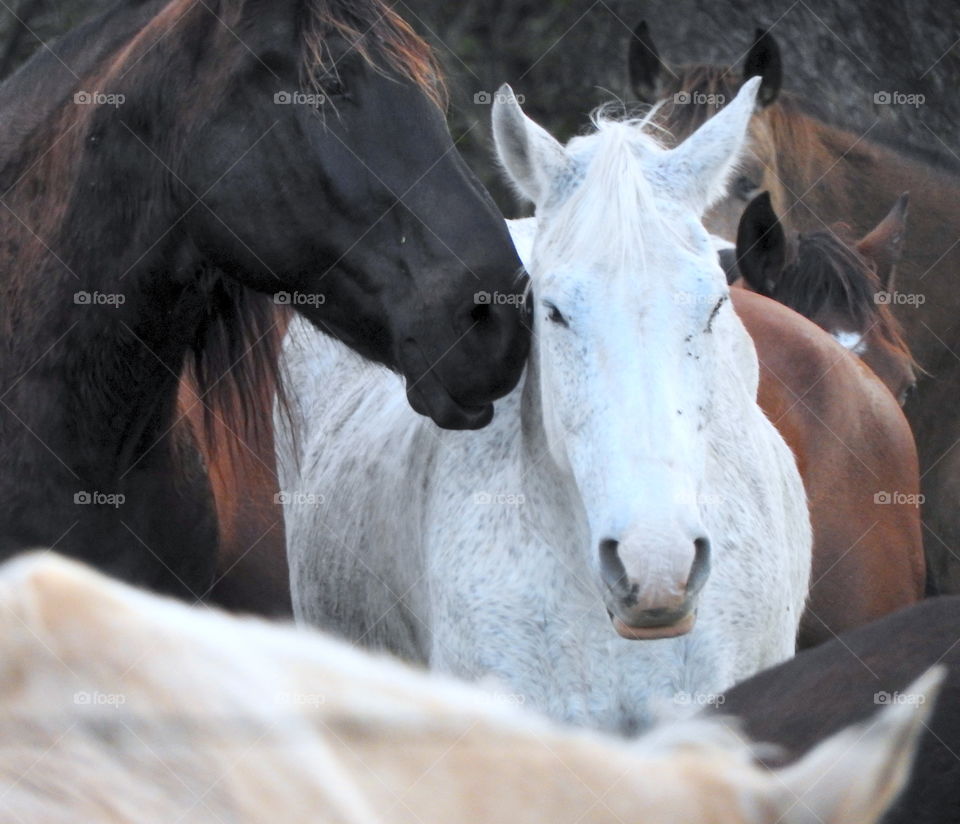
(632, 320)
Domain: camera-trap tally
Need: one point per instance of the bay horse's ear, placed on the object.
(761, 245)
(884, 243)
(645, 66)
(764, 60)
(698, 169)
(532, 157)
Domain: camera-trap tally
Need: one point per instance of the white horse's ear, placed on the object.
(531, 156)
(703, 162)
(856, 774)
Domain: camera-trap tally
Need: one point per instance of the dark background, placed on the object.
(568, 56)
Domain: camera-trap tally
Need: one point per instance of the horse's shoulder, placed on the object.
(797, 353)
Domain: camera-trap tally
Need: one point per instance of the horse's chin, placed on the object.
(681, 627)
(447, 413)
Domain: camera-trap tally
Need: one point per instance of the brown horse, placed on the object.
(859, 467)
(840, 284)
(819, 173)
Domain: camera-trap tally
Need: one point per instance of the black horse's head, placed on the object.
(311, 134)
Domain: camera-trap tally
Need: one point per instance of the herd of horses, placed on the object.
(706, 420)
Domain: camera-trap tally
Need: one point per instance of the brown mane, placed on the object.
(378, 34)
(799, 127)
(683, 118)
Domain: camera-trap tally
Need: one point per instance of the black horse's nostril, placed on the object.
(700, 569)
(612, 571)
(480, 313)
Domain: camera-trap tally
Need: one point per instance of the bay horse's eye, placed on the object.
(908, 393)
(554, 315)
(745, 188)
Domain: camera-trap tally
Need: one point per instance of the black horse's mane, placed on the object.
(828, 273)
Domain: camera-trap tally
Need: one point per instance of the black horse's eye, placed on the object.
(332, 86)
(554, 315)
(908, 393)
(744, 187)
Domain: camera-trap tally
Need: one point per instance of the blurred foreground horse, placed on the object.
(120, 707)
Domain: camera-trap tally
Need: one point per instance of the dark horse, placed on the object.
(843, 285)
(817, 174)
(173, 174)
(805, 700)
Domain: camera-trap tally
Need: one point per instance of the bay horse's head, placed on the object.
(687, 95)
(306, 152)
(636, 347)
(842, 284)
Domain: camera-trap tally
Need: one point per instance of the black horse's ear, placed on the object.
(761, 245)
(764, 60)
(645, 67)
(884, 243)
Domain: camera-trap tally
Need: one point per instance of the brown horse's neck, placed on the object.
(832, 174)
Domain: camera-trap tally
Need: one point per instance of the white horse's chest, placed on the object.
(515, 604)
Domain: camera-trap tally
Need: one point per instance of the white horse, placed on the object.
(121, 707)
(630, 489)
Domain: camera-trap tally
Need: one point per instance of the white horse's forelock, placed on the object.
(596, 216)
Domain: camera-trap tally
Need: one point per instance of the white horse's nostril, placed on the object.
(612, 570)
(700, 569)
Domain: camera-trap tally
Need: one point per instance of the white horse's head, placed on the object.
(636, 344)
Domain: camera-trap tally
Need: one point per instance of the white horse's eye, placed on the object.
(554, 315)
